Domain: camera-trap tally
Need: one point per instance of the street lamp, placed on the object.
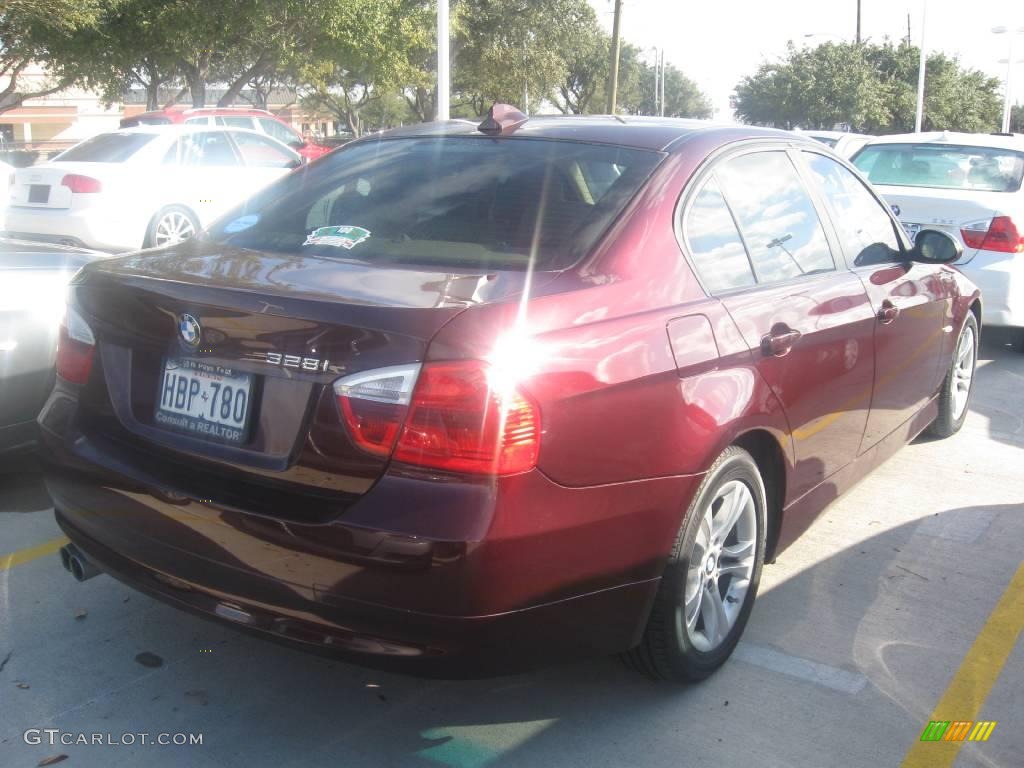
(1008, 99)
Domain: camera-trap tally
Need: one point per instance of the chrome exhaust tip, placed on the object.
(76, 563)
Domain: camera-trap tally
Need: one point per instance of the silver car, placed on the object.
(33, 280)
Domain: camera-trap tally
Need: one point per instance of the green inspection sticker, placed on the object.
(347, 237)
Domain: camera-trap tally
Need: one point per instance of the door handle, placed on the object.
(888, 312)
(779, 341)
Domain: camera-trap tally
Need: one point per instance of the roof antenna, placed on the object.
(501, 119)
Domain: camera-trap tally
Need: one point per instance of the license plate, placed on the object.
(204, 400)
(38, 193)
(911, 229)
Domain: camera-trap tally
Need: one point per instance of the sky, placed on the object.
(717, 42)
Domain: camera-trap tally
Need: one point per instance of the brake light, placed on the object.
(460, 421)
(79, 184)
(998, 234)
(75, 348)
(374, 405)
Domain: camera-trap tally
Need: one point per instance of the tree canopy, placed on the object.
(869, 88)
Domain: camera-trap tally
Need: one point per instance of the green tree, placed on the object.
(1017, 118)
(869, 87)
(40, 32)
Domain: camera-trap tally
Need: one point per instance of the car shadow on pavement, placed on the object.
(21, 486)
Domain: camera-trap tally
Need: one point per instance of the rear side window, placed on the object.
(776, 216)
(107, 148)
(864, 227)
(985, 169)
(261, 152)
(197, 121)
(461, 202)
(714, 242)
(235, 122)
(207, 149)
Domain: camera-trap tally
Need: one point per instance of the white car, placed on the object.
(842, 143)
(6, 173)
(968, 185)
(143, 187)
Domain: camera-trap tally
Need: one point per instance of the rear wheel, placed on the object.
(171, 225)
(710, 582)
(955, 395)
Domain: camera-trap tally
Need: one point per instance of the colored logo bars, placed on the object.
(958, 730)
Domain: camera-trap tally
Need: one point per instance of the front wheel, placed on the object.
(710, 582)
(955, 395)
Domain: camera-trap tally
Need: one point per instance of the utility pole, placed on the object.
(919, 118)
(657, 93)
(443, 75)
(858, 22)
(613, 70)
(908, 29)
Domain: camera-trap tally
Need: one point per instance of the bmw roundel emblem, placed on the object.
(188, 328)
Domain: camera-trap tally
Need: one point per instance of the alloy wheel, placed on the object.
(173, 227)
(963, 371)
(721, 566)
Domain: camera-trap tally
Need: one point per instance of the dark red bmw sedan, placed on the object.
(469, 398)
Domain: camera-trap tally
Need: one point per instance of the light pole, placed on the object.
(922, 62)
(657, 93)
(1008, 98)
(613, 69)
(443, 74)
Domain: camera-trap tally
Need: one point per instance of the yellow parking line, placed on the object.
(978, 672)
(27, 555)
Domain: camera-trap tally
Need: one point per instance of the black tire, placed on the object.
(170, 210)
(948, 422)
(666, 651)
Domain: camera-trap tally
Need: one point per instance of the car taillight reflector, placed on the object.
(75, 348)
(998, 234)
(374, 404)
(458, 421)
(81, 184)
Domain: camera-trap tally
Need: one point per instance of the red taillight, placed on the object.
(374, 404)
(1000, 234)
(458, 421)
(75, 349)
(81, 184)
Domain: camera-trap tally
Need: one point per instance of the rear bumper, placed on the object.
(1000, 276)
(557, 574)
(88, 227)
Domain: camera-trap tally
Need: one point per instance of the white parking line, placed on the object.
(802, 669)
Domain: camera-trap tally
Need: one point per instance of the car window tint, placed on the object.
(107, 148)
(776, 217)
(262, 152)
(714, 242)
(280, 132)
(865, 229)
(208, 149)
(944, 166)
(454, 201)
(234, 122)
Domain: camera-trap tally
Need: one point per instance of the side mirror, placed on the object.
(934, 247)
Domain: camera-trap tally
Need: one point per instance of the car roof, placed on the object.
(185, 109)
(955, 139)
(831, 134)
(658, 133)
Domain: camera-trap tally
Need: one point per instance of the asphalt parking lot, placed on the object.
(901, 605)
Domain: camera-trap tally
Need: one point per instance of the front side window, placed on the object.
(776, 216)
(714, 242)
(261, 152)
(280, 132)
(942, 166)
(864, 227)
(107, 148)
(460, 202)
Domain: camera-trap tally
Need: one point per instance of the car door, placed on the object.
(759, 246)
(910, 300)
(203, 174)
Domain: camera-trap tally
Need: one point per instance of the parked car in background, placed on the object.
(232, 117)
(463, 398)
(143, 187)
(969, 186)
(33, 282)
(842, 143)
(6, 178)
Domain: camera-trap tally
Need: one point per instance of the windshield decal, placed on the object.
(342, 237)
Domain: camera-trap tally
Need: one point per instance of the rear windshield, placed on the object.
(107, 148)
(985, 169)
(461, 202)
